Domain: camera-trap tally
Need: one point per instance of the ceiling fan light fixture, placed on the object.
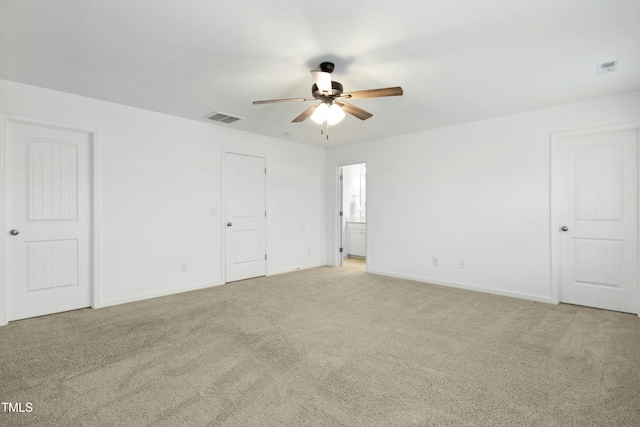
(320, 113)
(335, 114)
(332, 114)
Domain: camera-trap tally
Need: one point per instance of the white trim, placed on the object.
(466, 286)
(96, 289)
(340, 238)
(554, 238)
(3, 222)
(156, 294)
(93, 177)
(223, 218)
(335, 240)
(292, 269)
(556, 137)
(267, 208)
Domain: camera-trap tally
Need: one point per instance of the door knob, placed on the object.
(14, 232)
(564, 228)
(229, 224)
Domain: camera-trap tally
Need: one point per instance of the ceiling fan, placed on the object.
(332, 106)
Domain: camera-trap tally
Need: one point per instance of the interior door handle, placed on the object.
(564, 228)
(14, 232)
(229, 224)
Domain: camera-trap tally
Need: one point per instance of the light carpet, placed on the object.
(325, 347)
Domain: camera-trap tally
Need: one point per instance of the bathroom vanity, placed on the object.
(356, 239)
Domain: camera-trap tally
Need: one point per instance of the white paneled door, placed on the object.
(48, 258)
(597, 218)
(245, 217)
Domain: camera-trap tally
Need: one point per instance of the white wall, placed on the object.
(158, 178)
(477, 192)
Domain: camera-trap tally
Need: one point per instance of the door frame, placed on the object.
(94, 285)
(340, 208)
(223, 212)
(337, 219)
(556, 138)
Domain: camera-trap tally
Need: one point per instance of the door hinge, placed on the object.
(340, 250)
(265, 213)
(340, 213)
(341, 177)
(265, 256)
(265, 171)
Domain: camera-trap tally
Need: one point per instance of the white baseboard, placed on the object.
(155, 294)
(173, 291)
(467, 286)
(289, 270)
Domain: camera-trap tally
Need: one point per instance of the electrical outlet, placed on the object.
(184, 266)
(461, 263)
(435, 261)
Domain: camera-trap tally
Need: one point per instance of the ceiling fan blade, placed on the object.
(355, 111)
(271, 101)
(375, 93)
(306, 113)
(323, 80)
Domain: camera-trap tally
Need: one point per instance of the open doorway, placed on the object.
(352, 201)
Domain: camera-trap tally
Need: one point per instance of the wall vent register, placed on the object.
(607, 67)
(223, 118)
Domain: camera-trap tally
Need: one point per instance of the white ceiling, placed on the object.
(457, 60)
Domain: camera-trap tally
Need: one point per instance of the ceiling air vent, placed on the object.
(607, 67)
(223, 118)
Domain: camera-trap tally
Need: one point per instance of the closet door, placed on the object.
(245, 217)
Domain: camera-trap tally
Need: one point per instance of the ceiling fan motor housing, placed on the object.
(336, 90)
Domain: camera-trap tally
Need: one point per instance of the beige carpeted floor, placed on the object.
(325, 347)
